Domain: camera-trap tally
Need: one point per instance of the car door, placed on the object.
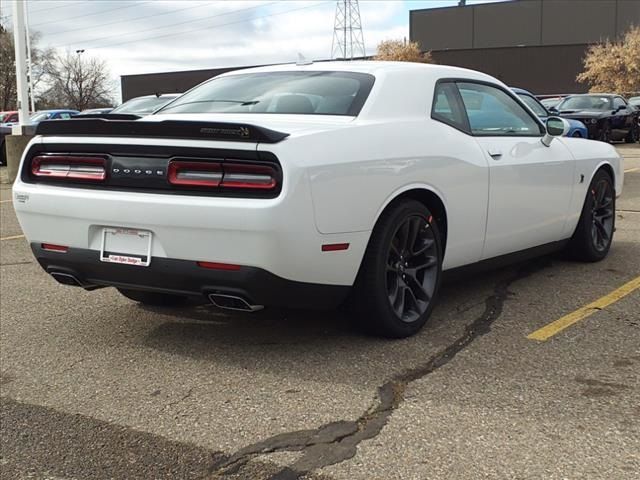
(622, 118)
(530, 184)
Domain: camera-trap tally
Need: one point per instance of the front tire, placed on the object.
(593, 236)
(153, 298)
(605, 133)
(632, 136)
(400, 274)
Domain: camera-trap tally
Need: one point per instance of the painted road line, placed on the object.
(15, 237)
(637, 169)
(6, 201)
(559, 325)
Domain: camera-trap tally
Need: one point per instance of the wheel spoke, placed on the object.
(602, 230)
(426, 245)
(425, 296)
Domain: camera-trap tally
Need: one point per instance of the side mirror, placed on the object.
(553, 109)
(556, 127)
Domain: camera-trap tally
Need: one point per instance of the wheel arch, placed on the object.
(430, 198)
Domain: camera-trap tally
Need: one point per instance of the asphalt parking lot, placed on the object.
(94, 386)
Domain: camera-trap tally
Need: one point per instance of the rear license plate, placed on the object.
(127, 246)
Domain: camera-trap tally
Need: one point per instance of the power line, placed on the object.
(129, 19)
(92, 14)
(57, 7)
(211, 27)
(172, 25)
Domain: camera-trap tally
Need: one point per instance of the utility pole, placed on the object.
(348, 40)
(19, 38)
(29, 68)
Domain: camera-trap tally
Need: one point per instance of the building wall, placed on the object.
(534, 44)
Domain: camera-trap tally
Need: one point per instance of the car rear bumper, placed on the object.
(183, 277)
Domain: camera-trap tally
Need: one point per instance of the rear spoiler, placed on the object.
(109, 126)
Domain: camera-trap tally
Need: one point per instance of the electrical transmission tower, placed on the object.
(348, 41)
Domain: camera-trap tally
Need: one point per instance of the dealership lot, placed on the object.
(95, 386)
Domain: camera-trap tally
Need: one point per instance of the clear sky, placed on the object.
(142, 36)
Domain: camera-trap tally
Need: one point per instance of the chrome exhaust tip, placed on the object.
(233, 302)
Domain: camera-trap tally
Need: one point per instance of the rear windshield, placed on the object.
(142, 105)
(306, 93)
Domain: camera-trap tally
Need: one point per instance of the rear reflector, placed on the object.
(219, 266)
(50, 247)
(223, 175)
(334, 247)
(69, 167)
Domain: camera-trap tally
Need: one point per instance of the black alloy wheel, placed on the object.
(412, 268)
(634, 133)
(594, 233)
(602, 214)
(399, 277)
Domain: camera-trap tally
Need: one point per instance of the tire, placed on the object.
(632, 136)
(593, 236)
(153, 298)
(605, 134)
(412, 271)
(576, 135)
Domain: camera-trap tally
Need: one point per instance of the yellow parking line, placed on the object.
(6, 201)
(632, 170)
(15, 237)
(559, 325)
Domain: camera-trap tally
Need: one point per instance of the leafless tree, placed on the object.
(40, 58)
(77, 81)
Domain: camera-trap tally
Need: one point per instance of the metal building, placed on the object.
(534, 44)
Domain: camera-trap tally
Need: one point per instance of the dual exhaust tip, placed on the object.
(233, 302)
(220, 300)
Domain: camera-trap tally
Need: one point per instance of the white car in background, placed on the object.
(306, 185)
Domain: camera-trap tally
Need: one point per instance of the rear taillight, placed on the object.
(69, 167)
(51, 247)
(223, 175)
(195, 174)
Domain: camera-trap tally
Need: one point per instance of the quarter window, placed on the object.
(446, 107)
(492, 112)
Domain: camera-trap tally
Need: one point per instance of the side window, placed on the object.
(618, 102)
(65, 115)
(446, 107)
(493, 112)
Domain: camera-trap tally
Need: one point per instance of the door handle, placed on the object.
(495, 154)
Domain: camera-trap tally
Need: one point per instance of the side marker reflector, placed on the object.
(334, 247)
(219, 266)
(50, 247)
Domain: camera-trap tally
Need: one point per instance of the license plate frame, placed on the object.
(126, 246)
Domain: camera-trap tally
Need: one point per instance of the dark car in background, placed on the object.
(577, 130)
(145, 105)
(57, 114)
(608, 117)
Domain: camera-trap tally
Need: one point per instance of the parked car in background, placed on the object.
(577, 130)
(608, 117)
(8, 118)
(58, 114)
(95, 111)
(301, 185)
(635, 101)
(145, 105)
(4, 131)
(551, 101)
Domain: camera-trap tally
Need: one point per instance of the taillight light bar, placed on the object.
(70, 167)
(222, 175)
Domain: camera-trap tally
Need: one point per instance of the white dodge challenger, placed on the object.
(307, 185)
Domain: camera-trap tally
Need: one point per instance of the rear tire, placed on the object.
(576, 135)
(632, 136)
(399, 278)
(153, 298)
(593, 236)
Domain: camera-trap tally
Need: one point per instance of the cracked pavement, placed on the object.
(95, 386)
